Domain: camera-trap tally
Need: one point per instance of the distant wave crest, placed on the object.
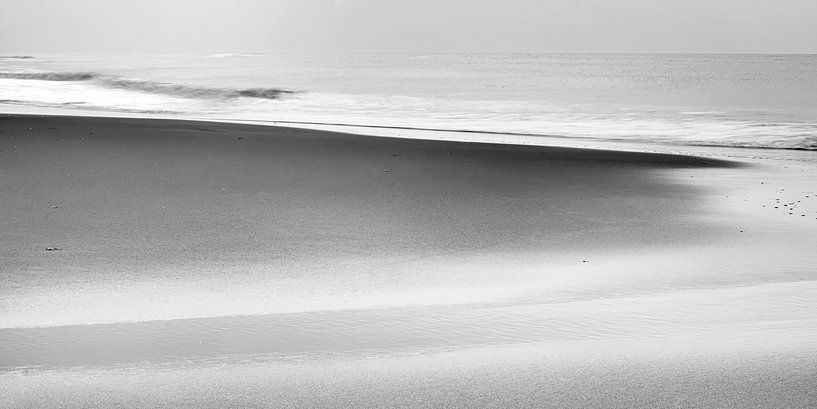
(268, 93)
(154, 87)
(191, 91)
(228, 55)
(49, 76)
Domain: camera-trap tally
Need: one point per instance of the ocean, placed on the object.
(765, 101)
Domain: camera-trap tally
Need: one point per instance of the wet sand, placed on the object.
(211, 265)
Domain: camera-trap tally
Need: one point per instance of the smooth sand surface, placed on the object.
(216, 265)
(161, 204)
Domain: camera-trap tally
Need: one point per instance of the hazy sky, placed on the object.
(204, 26)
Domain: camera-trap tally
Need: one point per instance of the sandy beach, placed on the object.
(169, 263)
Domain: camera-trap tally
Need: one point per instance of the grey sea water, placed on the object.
(722, 100)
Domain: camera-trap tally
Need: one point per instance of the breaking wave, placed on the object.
(49, 76)
(192, 91)
(153, 87)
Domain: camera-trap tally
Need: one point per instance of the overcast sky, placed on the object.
(343, 26)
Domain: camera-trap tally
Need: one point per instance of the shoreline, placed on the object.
(405, 132)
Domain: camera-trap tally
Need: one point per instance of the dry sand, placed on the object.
(212, 265)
